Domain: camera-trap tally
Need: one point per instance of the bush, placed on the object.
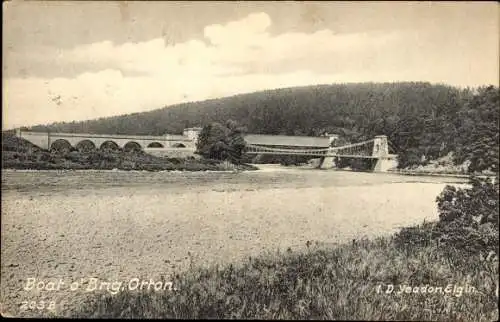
(409, 158)
(423, 235)
(107, 156)
(175, 161)
(220, 142)
(357, 164)
(74, 156)
(468, 218)
(43, 157)
(468, 221)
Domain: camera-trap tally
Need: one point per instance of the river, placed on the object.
(117, 225)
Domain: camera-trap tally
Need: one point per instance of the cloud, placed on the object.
(231, 48)
(245, 31)
(237, 57)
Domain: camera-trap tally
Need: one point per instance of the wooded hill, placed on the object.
(423, 121)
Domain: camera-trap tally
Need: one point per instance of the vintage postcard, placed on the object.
(329, 160)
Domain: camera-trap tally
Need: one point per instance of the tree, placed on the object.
(220, 142)
(478, 139)
(235, 141)
(468, 217)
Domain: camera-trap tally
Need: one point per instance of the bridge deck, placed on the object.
(168, 137)
(285, 140)
(314, 154)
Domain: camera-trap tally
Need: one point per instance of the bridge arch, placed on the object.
(109, 146)
(132, 146)
(178, 145)
(61, 145)
(155, 145)
(85, 146)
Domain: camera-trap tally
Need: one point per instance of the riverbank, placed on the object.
(361, 280)
(37, 159)
(440, 174)
(116, 225)
(444, 166)
(20, 154)
(431, 271)
(111, 160)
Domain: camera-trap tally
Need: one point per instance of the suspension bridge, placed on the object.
(376, 149)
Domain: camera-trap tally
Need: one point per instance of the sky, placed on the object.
(71, 61)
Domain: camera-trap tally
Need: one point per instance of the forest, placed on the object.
(423, 121)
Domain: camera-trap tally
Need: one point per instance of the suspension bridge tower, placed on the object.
(384, 160)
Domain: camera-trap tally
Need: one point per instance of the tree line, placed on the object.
(423, 121)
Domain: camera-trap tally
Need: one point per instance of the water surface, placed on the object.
(118, 225)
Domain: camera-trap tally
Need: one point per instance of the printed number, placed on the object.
(32, 305)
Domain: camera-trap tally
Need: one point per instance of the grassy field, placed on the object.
(118, 225)
(214, 236)
(349, 281)
(443, 270)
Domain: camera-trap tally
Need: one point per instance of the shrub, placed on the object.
(422, 235)
(220, 142)
(409, 158)
(468, 220)
(74, 156)
(174, 160)
(43, 157)
(107, 156)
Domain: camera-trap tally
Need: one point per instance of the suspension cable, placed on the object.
(310, 151)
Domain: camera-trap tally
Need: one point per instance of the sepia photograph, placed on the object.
(270, 160)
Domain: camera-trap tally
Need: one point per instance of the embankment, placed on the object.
(22, 155)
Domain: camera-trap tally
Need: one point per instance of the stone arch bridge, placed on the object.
(48, 141)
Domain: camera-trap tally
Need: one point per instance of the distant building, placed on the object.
(192, 133)
(332, 137)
